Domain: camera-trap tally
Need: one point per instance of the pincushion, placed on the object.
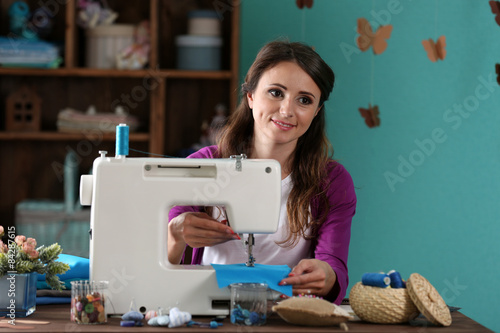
(308, 311)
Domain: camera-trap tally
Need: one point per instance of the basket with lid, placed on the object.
(396, 306)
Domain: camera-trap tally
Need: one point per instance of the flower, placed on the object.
(29, 248)
(3, 247)
(22, 256)
(20, 240)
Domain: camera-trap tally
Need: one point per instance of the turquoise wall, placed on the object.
(428, 179)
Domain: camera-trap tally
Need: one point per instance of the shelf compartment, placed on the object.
(59, 93)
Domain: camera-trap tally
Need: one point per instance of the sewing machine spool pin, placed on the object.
(250, 242)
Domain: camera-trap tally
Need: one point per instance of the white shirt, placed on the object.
(265, 250)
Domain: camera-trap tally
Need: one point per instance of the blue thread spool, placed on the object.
(19, 8)
(396, 280)
(19, 12)
(122, 140)
(381, 280)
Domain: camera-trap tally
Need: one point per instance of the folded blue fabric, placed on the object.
(241, 273)
(52, 300)
(78, 268)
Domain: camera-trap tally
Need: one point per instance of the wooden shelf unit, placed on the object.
(171, 104)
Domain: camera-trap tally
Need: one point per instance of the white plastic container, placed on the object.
(198, 52)
(105, 42)
(203, 23)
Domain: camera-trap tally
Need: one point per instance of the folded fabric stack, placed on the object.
(18, 52)
(70, 120)
(78, 270)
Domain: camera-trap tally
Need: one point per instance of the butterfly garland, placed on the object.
(378, 42)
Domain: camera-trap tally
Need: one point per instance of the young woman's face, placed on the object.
(284, 104)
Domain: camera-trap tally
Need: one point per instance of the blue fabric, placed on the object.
(240, 273)
(52, 300)
(78, 268)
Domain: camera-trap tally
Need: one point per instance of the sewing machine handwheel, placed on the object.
(86, 187)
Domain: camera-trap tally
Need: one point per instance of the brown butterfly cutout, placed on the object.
(497, 68)
(435, 51)
(495, 9)
(302, 3)
(371, 116)
(367, 38)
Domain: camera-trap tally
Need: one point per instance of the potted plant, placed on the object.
(20, 261)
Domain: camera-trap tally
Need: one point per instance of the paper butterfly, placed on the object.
(495, 9)
(371, 116)
(368, 38)
(435, 51)
(302, 3)
(497, 68)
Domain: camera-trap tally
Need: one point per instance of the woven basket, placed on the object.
(382, 305)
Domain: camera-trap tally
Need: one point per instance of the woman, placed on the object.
(282, 116)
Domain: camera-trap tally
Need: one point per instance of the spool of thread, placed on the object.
(41, 20)
(70, 181)
(396, 280)
(19, 8)
(122, 140)
(19, 12)
(381, 280)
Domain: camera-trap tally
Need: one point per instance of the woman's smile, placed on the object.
(282, 125)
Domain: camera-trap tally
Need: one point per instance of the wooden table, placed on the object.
(58, 316)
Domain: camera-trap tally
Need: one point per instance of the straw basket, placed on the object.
(382, 305)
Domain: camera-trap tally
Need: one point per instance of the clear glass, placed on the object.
(17, 295)
(248, 304)
(88, 302)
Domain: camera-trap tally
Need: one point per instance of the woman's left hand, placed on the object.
(311, 276)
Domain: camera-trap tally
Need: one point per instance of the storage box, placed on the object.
(105, 42)
(203, 23)
(49, 222)
(198, 52)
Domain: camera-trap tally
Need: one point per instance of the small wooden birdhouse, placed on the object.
(23, 110)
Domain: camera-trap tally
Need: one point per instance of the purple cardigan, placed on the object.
(332, 243)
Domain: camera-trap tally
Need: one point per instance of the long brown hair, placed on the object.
(313, 151)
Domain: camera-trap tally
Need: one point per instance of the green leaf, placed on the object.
(24, 267)
(54, 282)
(49, 253)
(57, 267)
(4, 264)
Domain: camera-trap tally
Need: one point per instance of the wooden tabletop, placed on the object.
(58, 317)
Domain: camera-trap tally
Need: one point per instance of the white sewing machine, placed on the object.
(131, 198)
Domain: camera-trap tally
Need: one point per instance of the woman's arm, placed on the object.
(176, 244)
(326, 274)
(334, 235)
(195, 229)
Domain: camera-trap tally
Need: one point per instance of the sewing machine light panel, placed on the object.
(130, 200)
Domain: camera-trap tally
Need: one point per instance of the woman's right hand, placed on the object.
(195, 230)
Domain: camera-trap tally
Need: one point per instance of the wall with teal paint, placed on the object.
(428, 179)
